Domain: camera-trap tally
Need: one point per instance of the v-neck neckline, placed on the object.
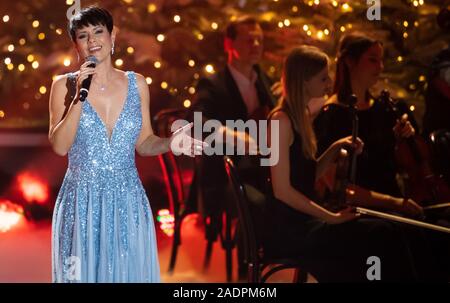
(109, 137)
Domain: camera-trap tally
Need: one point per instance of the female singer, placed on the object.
(103, 227)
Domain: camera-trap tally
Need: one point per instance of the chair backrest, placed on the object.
(169, 164)
(246, 225)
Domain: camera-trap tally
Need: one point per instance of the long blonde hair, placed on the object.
(301, 65)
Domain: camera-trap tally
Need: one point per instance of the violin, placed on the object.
(413, 157)
(345, 166)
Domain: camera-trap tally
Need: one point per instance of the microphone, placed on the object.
(84, 91)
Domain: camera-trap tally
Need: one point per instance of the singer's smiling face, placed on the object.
(94, 40)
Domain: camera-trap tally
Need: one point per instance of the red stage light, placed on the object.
(10, 215)
(33, 189)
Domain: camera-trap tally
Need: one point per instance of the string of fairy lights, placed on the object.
(123, 57)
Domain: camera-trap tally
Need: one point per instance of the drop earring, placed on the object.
(112, 49)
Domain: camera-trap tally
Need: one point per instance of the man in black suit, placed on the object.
(240, 91)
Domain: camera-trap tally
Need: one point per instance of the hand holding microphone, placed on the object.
(87, 69)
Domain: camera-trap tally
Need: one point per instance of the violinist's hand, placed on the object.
(345, 215)
(277, 89)
(409, 207)
(358, 145)
(403, 128)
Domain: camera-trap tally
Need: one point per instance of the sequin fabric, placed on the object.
(103, 229)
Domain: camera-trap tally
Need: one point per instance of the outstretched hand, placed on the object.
(182, 143)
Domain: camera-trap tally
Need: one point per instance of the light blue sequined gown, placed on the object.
(103, 229)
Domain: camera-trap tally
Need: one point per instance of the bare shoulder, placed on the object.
(285, 121)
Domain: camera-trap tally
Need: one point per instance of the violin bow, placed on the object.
(379, 214)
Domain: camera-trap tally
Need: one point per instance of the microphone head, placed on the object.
(92, 59)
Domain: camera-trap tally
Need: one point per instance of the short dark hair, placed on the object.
(231, 29)
(91, 15)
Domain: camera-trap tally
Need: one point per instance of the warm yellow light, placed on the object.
(10, 66)
(305, 27)
(209, 69)
(35, 23)
(41, 36)
(421, 2)
(326, 31)
(11, 48)
(187, 103)
(21, 67)
(5, 18)
(416, 3)
(191, 90)
(309, 33)
(191, 63)
(342, 28)
(416, 23)
(399, 58)
(128, 1)
(164, 85)
(280, 24)
(7, 60)
(412, 108)
(422, 78)
(160, 37)
(405, 35)
(119, 62)
(148, 80)
(346, 8)
(320, 35)
(130, 50)
(157, 64)
(66, 62)
(151, 8)
(176, 18)
(295, 8)
(42, 89)
(405, 23)
(316, 2)
(214, 26)
(2, 114)
(310, 3)
(59, 31)
(335, 3)
(30, 58)
(22, 41)
(35, 64)
(200, 36)
(287, 22)
(69, 2)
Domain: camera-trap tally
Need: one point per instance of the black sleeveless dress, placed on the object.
(340, 252)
